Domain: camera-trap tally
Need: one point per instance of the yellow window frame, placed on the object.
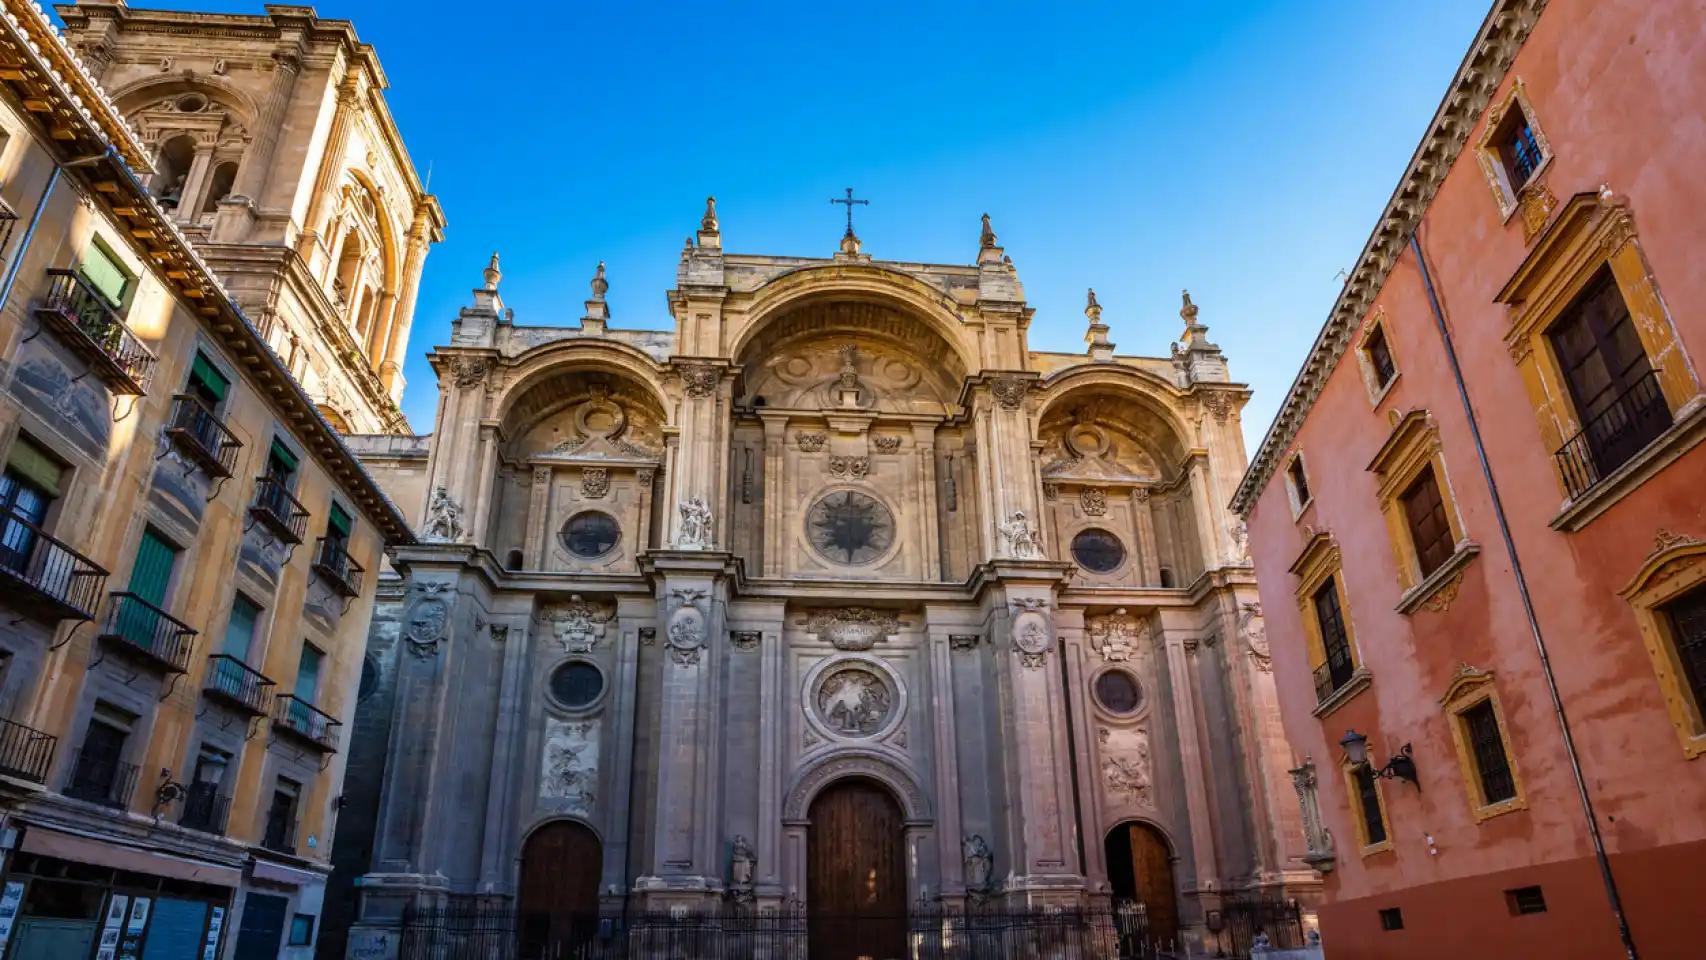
(1676, 566)
(1469, 688)
(1413, 447)
(1318, 563)
(1377, 391)
(1359, 823)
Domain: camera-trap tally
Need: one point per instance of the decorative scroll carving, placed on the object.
(1021, 537)
(886, 444)
(695, 525)
(1218, 404)
(1051, 491)
(1535, 205)
(1254, 630)
(578, 624)
(745, 639)
(963, 641)
(467, 371)
(810, 442)
(853, 628)
(1114, 635)
(1009, 391)
(699, 379)
(595, 482)
(444, 518)
(849, 468)
(1094, 500)
(1441, 599)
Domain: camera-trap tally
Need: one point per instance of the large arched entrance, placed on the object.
(558, 896)
(1140, 868)
(856, 873)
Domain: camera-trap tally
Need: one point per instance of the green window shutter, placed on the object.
(308, 673)
(153, 572)
(204, 375)
(103, 273)
(35, 465)
(339, 521)
(240, 632)
(280, 461)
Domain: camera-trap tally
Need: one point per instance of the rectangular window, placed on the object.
(1391, 918)
(301, 930)
(1609, 377)
(240, 630)
(1488, 746)
(206, 383)
(1424, 512)
(28, 487)
(1299, 482)
(1687, 615)
(308, 673)
(281, 817)
(102, 271)
(1335, 642)
(1368, 805)
(338, 524)
(1517, 147)
(150, 579)
(281, 462)
(1525, 900)
(1380, 357)
(99, 773)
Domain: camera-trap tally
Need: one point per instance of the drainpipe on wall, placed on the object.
(29, 233)
(1598, 841)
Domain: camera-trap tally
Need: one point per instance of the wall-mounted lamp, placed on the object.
(1401, 764)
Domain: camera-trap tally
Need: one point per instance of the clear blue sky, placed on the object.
(1240, 149)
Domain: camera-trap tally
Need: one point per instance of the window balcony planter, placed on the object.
(136, 627)
(298, 718)
(205, 809)
(334, 563)
(44, 576)
(101, 779)
(235, 683)
(25, 752)
(199, 435)
(92, 328)
(280, 834)
(277, 510)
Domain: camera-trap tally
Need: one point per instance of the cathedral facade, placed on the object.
(833, 592)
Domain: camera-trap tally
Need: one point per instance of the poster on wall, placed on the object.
(214, 924)
(10, 899)
(130, 946)
(113, 928)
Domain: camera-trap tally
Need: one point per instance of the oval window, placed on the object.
(1118, 692)
(576, 684)
(591, 534)
(848, 527)
(1098, 551)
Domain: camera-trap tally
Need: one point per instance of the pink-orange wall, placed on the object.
(1619, 88)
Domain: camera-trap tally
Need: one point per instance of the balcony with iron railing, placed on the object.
(1614, 435)
(91, 327)
(43, 575)
(101, 779)
(199, 434)
(299, 718)
(231, 681)
(1331, 677)
(334, 563)
(205, 808)
(135, 626)
(277, 510)
(25, 752)
(280, 833)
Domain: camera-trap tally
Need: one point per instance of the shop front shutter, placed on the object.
(175, 931)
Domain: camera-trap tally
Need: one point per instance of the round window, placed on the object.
(1118, 692)
(849, 527)
(192, 103)
(576, 684)
(591, 534)
(1098, 551)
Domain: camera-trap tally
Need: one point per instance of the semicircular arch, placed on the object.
(856, 764)
(138, 94)
(1145, 387)
(541, 363)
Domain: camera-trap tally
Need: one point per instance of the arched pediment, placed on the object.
(141, 94)
(582, 411)
(1109, 431)
(548, 360)
(864, 764)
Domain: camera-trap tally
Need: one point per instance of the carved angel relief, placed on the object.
(1127, 769)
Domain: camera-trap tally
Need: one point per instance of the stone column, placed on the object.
(772, 754)
(397, 338)
(1183, 688)
(331, 163)
(195, 183)
(256, 168)
(632, 613)
(930, 521)
(775, 453)
(699, 469)
(507, 735)
(538, 510)
(1148, 549)
(483, 491)
(939, 676)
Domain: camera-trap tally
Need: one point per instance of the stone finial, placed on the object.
(1194, 332)
(988, 250)
(708, 223)
(599, 285)
(850, 245)
(597, 311)
(492, 274)
(987, 239)
(1097, 333)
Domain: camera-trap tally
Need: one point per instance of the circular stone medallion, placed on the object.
(853, 700)
(850, 528)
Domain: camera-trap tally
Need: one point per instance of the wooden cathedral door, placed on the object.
(558, 899)
(1140, 867)
(856, 874)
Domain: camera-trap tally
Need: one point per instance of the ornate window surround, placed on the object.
(1469, 688)
(1506, 194)
(1377, 391)
(1594, 231)
(1414, 446)
(1298, 503)
(1347, 772)
(1320, 561)
(1676, 566)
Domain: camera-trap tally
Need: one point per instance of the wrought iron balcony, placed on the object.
(198, 433)
(43, 574)
(302, 719)
(279, 511)
(92, 328)
(1329, 677)
(232, 681)
(133, 625)
(280, 834)
(101, 779)
(205, 808)
(25, 752)
(1636, 418)
(334, 563)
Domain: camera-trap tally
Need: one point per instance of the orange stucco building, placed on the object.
(1479, 519)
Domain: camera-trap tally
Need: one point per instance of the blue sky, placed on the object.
(1242, 150)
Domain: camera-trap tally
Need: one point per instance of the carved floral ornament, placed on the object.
(1115, 635)
(1094, 500)
(810, 442)
(427, 619)
(850, 468)
(466, 371)
(595, 482)
(578, 625)
(699, 379)
(853, 628)
(1009, 391)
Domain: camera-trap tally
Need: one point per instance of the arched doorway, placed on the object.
(558, 896)
(856, 873)
(1140, 868)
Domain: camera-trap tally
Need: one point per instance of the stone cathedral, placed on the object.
(831, 591)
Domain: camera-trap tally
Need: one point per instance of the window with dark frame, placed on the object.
(28, 486)
(1424, 513)
(1687, 616)
(1335, 642)
(1611, 381)
(1299, 482)
(1517, 146)
(1487, 746)
(301, 930)
(1380, 356)
(1368, 804)
(1525, 900)
(1391, 918)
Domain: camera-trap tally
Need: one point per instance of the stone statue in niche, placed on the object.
(1240, 534)
(1021, 536)
(444, 517)
(1255, 632)
(743, 865)
(428, 617)
(853, 628)
(854, 701)
(578, 625)
(979, 866)
(695, 525)
(1114, 636)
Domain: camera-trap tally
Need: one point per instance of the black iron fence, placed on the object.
(1240, 920)
(92, 327)
(133, 624)
(1614, 435)
(46, 573)
(334, 563)
(297, 716)
(237, 683)
(929, 931)
(282, 513)
(25, 752)
(205, 808)
(200, 434)
(99, 777)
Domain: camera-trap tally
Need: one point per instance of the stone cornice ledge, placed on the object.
(1418, 596)
(1482, 70)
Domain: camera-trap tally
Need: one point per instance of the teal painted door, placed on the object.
(43, 938)
(149, 580)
